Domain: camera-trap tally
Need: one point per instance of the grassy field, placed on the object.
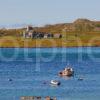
(69, 40)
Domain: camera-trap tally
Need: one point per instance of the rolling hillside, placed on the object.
(82, 32)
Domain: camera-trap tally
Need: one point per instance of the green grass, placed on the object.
(69, 40)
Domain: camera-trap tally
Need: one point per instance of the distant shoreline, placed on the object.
(54, 47)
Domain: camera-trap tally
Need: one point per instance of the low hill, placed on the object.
(81, 25)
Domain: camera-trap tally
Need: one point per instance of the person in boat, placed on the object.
(67, 72)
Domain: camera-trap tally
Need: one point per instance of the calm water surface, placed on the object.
(30, 68)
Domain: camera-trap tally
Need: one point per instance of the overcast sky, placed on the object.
(40, 12)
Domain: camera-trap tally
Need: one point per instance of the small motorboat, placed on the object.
(81, 78)
(68, 71)
(54, 82)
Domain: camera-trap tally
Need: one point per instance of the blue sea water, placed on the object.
(30, 68)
